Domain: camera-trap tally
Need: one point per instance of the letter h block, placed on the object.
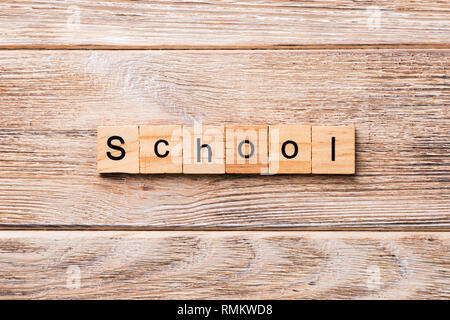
(203, 149)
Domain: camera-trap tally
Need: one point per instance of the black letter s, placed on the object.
(122, 151)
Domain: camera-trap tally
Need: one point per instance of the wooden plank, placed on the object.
(213, 24)
(226, 265)
(53, 101)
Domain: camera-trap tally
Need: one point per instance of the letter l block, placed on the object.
(333, 150)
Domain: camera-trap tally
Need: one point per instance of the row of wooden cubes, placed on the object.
(279, 149)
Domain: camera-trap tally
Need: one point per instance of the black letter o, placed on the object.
(283, 149)
(252, 149)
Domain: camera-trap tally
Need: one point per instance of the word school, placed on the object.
(278, 149)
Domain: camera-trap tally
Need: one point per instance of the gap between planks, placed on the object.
(174, 229)
(218, 47)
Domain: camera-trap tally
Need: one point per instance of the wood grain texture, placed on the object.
(227, 265)
(215, 24)
(52, 102)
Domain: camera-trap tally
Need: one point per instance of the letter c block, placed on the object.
(161, 149)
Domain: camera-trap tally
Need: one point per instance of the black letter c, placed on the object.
(159, 155)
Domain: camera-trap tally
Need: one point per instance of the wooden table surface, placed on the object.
(67, 67)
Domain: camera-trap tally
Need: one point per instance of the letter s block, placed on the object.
(333, 150)
(118, 149)
(161, 149)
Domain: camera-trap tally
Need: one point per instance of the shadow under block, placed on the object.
(247, 149)
(333, 150)
(161, 149)
(289, 149)
(204, 149)
(118, 149)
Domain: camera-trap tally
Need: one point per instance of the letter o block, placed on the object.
(118, 149)
(247, 149)
(290, 149)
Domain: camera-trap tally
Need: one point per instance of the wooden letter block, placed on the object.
(203, 149)
(118, 149)
(333, 150)
(289, 149)
(161, 149)
(247, 149)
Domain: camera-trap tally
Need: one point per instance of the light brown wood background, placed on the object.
(68, 66)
